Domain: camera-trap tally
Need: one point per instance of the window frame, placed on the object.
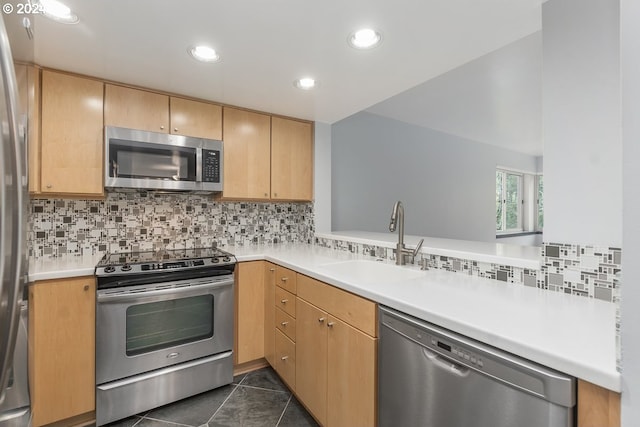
(539, 202)
(520, 214)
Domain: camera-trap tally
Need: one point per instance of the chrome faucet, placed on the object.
(397, 221)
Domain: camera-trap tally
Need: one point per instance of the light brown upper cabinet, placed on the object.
(136, 109)
(139, 109)
(194, 118)
(291, 159)
(247, 154)
(28, 79)
(71, 152)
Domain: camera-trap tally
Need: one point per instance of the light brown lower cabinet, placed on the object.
(249, 311)
(597, 406)
(335, 362)
(269, 312)
(62, 350)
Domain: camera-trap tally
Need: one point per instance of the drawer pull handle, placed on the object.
(272, 270)
(284, 301)
(284, 357)
(284, 279)
(284, 323)
(321, 319)
(86, 287)
(330, 324)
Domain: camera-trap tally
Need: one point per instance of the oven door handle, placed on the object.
(110, 296)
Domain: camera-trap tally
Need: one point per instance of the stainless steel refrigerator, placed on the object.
(14, 393)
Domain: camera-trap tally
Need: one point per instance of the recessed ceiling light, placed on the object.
(204, 54)
(305, 83)
(60, 12)
(365, 38)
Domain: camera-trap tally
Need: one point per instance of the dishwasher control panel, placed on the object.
(437, 343)
(462, 354)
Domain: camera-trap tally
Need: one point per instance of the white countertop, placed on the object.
(495, 253)
(62, 267)
(571, 334)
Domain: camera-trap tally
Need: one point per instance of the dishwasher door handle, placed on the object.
(446, 363)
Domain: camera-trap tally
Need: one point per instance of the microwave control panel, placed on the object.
(210, 165)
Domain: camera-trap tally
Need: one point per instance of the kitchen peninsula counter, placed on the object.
(528, 322)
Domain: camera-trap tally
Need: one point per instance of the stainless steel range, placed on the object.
(164, 328)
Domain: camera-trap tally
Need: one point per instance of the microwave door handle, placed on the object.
(199, 160)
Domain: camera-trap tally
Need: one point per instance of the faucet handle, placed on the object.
(418, 247)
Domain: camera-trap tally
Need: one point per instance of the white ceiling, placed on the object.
(266, 45)
(495, 99)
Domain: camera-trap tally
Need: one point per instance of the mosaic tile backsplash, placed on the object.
(573, 269)
(125, 222)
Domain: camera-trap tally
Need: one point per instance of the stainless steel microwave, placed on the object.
(159, 161)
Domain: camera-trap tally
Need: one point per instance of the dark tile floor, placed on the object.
(256, 399)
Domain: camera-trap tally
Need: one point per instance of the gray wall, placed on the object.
(630, 63)
(446, 183)
(322, 176)
(581, 122)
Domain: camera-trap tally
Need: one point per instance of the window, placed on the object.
(509, 201)
(539, 203)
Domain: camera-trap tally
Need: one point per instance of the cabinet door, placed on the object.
(249, 311)
(291, 160)
(597, 406)
(72, 154)
(269, 312)
(136, 109)
(247, 154)
(351, 379)
(311, 359)
(62, 349)
(197, 119)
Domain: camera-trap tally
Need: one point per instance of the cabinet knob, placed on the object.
(266, 195)
(330, 324)
(284, 301)
(86, 287)
(49, 185)
(275, 194)
(162, 127)
(175, 129)
(320, 320)
(284, 357)
(272, 270)
(284, 323)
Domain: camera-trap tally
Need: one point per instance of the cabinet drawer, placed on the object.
(286, 324)
(286, 301)
(286, 279)
(354, 310)
(286, 359)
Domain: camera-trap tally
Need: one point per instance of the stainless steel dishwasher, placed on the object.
(431, 377)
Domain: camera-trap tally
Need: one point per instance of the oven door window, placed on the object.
(164, 324)
(131, 159)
